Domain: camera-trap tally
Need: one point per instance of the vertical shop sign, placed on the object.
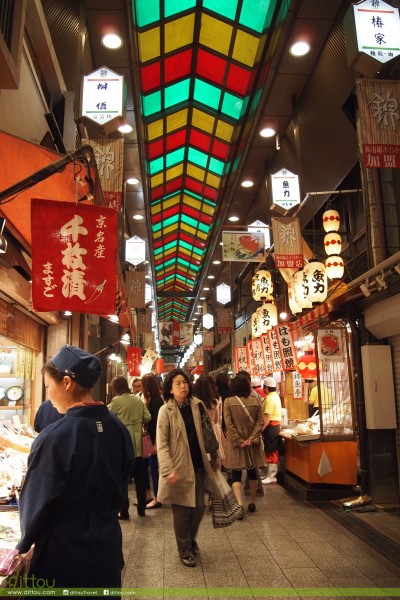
(379, 107)
(136, 287)
(275, 352)
(297, 385)
(286, 347)
(149, 340)
(287, 242)
(74, 257)
(241, 246)
(224, 320)
(250, 359)
(285, 190)
(109, 155)
(240, 357)
(258, 358)
(208, 340)
(269, 365)
(134, 360)
(102, 97)
(143, 320)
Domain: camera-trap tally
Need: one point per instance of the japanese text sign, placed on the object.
(286, 347)
(208, 340)
(109, 155)
(102, 95)
(240, 246)
(377, 29)
(269, 365)
(285, 190)
(297, 385)
(275, 351)
(287, 242)
(74, 257)
(258, 357)
(224, 320)
(240, 357)
(133, 360)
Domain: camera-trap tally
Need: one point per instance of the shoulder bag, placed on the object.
(147, 444)
(226, 510)
(211, 444)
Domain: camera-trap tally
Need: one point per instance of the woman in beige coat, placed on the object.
(244, 421)
(186, 470)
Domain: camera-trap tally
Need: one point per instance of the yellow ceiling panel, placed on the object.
(178, 33)
(149, 44)
(198, 205)
(157, 180)
(155, 129)
(177, 120)
(188, 228)
(215, 34)
(195, 172)
(245, 48)
(174, 201)
(203, 121)
(224, 131)
(174, 172)
(213, 180)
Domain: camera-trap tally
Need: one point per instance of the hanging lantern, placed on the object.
(334, 267)
(317, 282)
(294, 307)
(159, 366)
(261, 286)
(255, 332)
(300, 290)
(331, 220)
(267, 317)
(307, 365)
(332, 243)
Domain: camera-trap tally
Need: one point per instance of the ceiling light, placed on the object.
(138, 217)
(203, 298)
(211, 277)
(233, 219)
(299, 48)
(132, 180)
(125, 128)
(206, 289)
(247, 183)
(267, 132)
(111, 41)
(216, 262)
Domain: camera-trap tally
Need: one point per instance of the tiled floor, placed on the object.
(289, 548)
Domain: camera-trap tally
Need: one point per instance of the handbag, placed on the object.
(211, 444)
(147, 444)
(225, 510)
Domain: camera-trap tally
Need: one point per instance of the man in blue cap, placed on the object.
(77, 475)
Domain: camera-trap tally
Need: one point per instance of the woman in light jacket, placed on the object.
(186, 470)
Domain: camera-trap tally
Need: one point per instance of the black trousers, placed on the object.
(187, 519)
(140, 485)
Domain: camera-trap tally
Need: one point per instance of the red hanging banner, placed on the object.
(74, 257)
(133, 360)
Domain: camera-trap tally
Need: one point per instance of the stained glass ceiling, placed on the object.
(202, 67)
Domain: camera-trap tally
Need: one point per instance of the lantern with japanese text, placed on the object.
(267, 317)
(331, 220)
(261, 286)
(300, 290)
(332, 243)
(294, 307)
(316, 282)
(334, 267)
(307, 365)
(255, 330)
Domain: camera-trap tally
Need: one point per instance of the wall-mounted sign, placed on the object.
(241, 246)
(135, 250)
(102, 96)
(285, 190)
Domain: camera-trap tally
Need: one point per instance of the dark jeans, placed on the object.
(140, 486)
(152, 464)
(187, 519)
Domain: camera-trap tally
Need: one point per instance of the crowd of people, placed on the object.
(88, 452)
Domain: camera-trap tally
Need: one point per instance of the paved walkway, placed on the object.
(289, 548)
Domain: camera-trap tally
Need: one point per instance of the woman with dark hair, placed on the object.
(206, 390)
(223, 383)
(131, 411)
(186, 470)
(77, 475)
(153, 400)
(243, 451)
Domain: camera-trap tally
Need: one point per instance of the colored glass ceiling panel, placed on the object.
(150, 77)
(211, 67)
(149, 44)
(178, 33)
(225, 8)
(215, 34)
(177, 66)
(172, 7)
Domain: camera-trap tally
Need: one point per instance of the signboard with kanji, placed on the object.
(287, 242)
(241, 246)
(102, 96)
(285, 190)
(240, 357)
(286, 347)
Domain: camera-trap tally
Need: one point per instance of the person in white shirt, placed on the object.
(272, 409)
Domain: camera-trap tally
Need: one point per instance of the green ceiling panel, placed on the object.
(225, 8)
(151, 104)
(173, 7)
(146, 12)
(177, 93)
(232, 106)
(256, 14)
(207, 94)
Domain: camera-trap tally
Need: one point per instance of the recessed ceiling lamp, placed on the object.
(132, 180)
(299, 48)
(138, 217)
(211, 277)
(233, 219)
(216, 262)
(125, 128)
(111, 41)
(247, 183)
(206, 289)
(267, 132)
(203, 298)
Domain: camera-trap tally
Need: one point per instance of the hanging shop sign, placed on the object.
(135, 286)
(260, 227)
(269, 365)
(240, 246)
(109, 155)
(275, 351)
(379, 108)
(149, 341)
(143, 320)
(330, 345)
(208, 340)
(175, 333)
(250, 359)
(297, 385)
(102, 97)
(240, 358)
(74, 257)
(286, 346)
(285, 190)
(133, 360)
(224, 321)
(135, 250)
(257, 353)
(287, 242)
(223, 293)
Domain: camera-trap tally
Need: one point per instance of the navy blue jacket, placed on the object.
(45, 415)
(77, 476)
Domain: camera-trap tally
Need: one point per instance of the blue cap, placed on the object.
(82, 367)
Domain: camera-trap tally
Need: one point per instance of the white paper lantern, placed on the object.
(255, 331)
(261, 286)
(294, 307)
(334, 267)
(267, 317)
(332, 243)
(300, 290)
(331, 220)
(316, 282)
